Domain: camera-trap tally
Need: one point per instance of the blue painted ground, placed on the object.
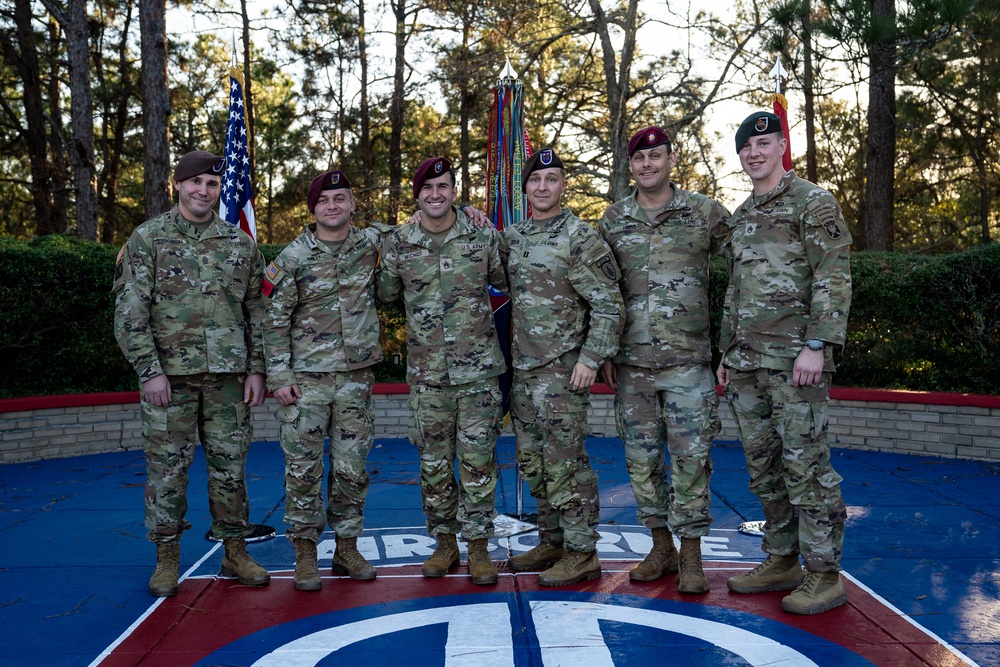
(923, 533)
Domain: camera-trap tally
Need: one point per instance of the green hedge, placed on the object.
(921, 323)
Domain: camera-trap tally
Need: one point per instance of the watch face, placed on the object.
(814, 344)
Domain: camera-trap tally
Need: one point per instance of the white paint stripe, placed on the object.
(130, 629)
(958, 654)
(569, 633)
(478, 634)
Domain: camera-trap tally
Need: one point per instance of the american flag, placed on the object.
(236, 200)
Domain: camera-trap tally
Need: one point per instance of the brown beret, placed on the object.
(432, 167)
(328, 180)
(546, 158)
(648, 137)
(198, 162)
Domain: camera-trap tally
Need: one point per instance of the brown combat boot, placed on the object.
(348, 560)
(691, 578)
(306, 569)
(237, 563)
(777, 573)
(444, 558)
(481, 568)
(541, 557)
(163, 583)
(573, 567)
(662, 558)
(819, 592)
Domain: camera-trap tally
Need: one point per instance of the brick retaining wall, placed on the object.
(948, 425)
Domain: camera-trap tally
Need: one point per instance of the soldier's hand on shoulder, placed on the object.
(478, 218)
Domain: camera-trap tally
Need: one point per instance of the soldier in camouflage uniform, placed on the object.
(321, 338)
(786, 308)
(442, 267)
(665, 396)
(188, 318)
(567, 315)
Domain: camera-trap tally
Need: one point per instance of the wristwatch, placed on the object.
(814, 344)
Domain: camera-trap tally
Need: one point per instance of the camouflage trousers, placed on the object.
(550, 422)
(457, 424)
(338, 405)
(207, 407)
(784, 433)
(671, 411)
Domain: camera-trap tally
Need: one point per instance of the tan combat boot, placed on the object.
(481, 568)
(237, 563)
(306, 569)
(573, 567)
(819, 592)
(691, 578)
(444, 558)
(348, 560)
(541, 557)
(777, 573)
(662, 558)
(163, 583)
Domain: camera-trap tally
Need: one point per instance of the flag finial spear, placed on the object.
(508, 71)
(777, 72)
(233, 61)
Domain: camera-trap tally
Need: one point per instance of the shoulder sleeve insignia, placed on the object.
(608, 267)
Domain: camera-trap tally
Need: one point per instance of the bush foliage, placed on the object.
(917, 322)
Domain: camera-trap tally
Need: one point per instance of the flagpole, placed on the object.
(780, 105)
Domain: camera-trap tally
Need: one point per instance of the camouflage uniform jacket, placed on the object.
(790, 277)
(564, 286)
(449, 319)
(665, 277)
(189, 303)
(321, 315)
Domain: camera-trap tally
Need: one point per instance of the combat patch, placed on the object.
(829, 218)
(272, 274)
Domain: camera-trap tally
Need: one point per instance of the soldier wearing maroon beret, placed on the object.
(665, 400)
(442, 267)
(321, 339)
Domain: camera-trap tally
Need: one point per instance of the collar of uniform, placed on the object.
(551, 226)
(315, 243)
(413, 233)
(753, 201)
(631, 208)
(219, 226)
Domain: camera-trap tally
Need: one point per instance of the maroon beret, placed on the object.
(432, 167)
(648, 137)
(328, 180)
(543, 159)
(198, 162)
